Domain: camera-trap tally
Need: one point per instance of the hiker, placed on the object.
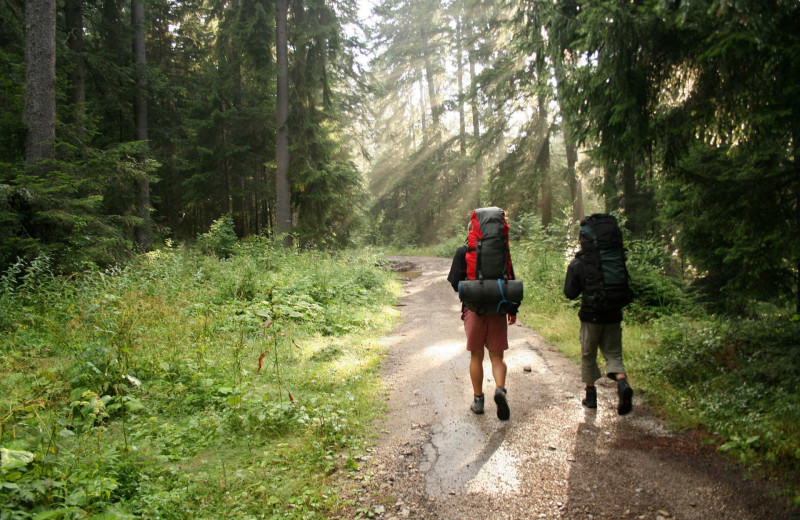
(603, 298)
(488, 329)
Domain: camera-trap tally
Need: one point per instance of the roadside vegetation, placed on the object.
(235, 383)
(735, 377)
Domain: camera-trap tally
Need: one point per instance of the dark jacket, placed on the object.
(574, 285)
(458, 270)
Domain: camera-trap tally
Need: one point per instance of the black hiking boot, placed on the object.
(477, 405)
(590, 401)
(625, 396)
(503, 412)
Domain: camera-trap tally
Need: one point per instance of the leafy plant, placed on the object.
(220, 238)
(136, 390)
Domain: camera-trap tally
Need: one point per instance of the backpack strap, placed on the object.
(478, 266)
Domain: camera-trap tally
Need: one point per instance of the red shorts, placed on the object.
(490, 330)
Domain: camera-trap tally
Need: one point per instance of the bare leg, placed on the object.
(476, 371)
(499, 368)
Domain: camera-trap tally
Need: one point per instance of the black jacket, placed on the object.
(574, 285)
(458, 270)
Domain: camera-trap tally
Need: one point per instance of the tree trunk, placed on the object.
(422, 111)
(797, 286)
(144, 233)
(543, 164)
(629, 195)
(476, 129)
(237, 208)
(225, 168)
(40, 83)
(73, 16)
(462, 124)
(431, 82)
(574, 181)
(283, 218)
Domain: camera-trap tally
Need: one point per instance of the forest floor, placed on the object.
(434, 459)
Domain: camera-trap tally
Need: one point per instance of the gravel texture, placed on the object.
(434, 459)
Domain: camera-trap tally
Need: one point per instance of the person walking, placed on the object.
(602, 301)
(484, 331)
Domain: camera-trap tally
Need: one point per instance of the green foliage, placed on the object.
(182, 384)
(657, 289)
(220, 239)
(691, 104)
(739, 379)
(540, 257)
(69, 215)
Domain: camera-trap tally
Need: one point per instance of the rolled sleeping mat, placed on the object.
(491, 296)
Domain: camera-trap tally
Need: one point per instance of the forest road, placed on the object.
(435, 459)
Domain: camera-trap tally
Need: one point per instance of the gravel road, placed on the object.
(434, 459)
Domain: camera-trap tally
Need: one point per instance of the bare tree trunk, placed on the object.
(237, 208)
(422, 112)
(476, 130)
(226, 173)
(574, 181)
(462, 124)
(40, 83)
(797, 285)
(283, 218)
(630, 196)
(431, 82)
(144, 232)
(543, 164)
(73, 16)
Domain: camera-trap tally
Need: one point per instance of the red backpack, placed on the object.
(488, 254)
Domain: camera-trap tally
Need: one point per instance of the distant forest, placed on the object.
(127, 124)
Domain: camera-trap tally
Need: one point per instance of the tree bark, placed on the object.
(422, 111)
(629, 195)
(574, 181)
(144, 233)
(462, 124)
(73, 17)
(283, 218)
(431, 83)
(40, 83)
(543, 164)
(476, 128)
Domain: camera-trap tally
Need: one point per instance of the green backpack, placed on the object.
(603, 256)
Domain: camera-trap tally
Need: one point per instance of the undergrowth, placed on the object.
(189, 386)
(737, 379)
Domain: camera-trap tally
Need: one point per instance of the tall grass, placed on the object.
(189, 386)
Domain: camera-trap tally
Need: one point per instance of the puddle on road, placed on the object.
(409, 275)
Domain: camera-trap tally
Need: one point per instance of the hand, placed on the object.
(512, 319)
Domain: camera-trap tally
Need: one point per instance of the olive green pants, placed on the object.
(606, 337)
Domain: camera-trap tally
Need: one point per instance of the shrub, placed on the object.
(220, 239)
(657, 292)
(739, 379)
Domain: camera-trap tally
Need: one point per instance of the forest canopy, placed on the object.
(125, 124)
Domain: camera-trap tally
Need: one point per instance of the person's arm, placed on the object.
(573, 284)
(458, 270)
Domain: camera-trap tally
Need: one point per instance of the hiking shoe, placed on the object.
(590, 401)
(503, 413)
(625, 397)
(477, 405)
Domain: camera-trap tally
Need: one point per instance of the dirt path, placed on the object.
(552, 459)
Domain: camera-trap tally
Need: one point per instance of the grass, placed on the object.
(187, 386)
